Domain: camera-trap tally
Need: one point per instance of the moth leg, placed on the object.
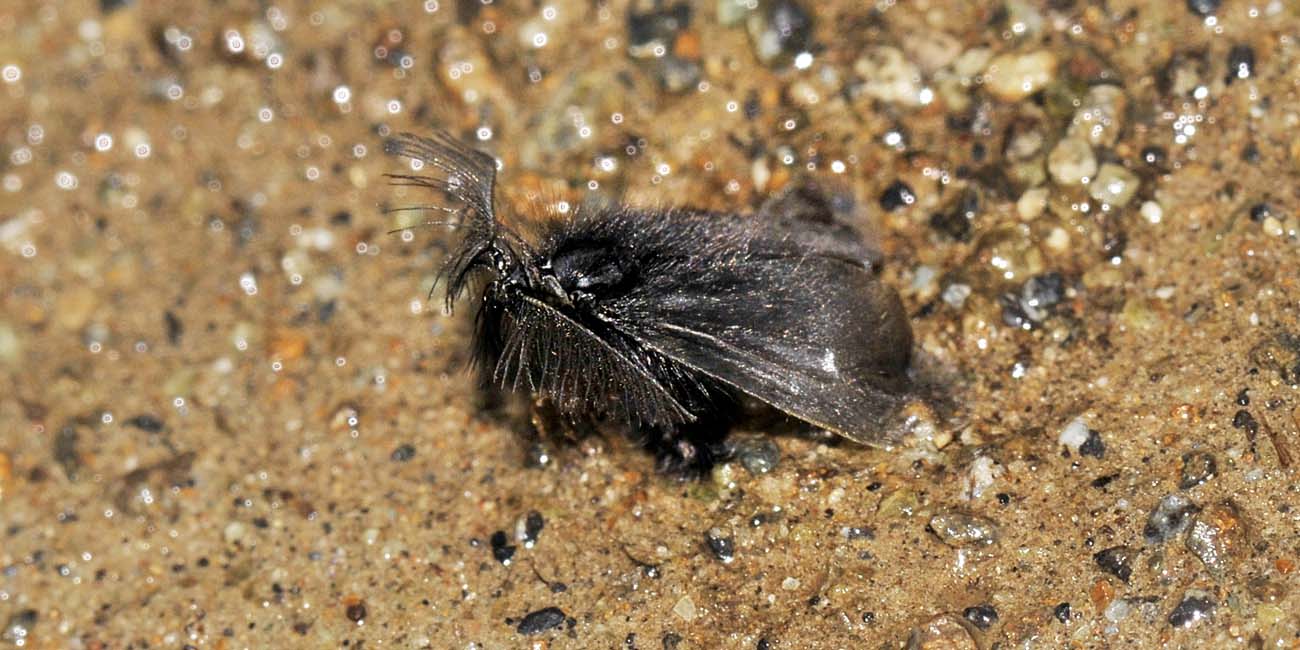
(544, 421)
(690, 451)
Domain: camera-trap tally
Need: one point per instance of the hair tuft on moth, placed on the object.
(668, 320)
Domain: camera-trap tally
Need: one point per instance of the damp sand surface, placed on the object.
(230, 417)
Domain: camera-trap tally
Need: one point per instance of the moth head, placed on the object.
(468, 177)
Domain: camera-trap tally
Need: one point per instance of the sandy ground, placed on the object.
(229, 418)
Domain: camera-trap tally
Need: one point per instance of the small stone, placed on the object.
(1032, 203)
(779, 30)
(1192, 609)
(757, 454)
(403, 453)
(1012, 77)
(1241, 63)
(1074, 435)
(1093, 446)
(1203, 7)
(1169, 519)
(146, 422)
(1062, 612)
(1197, 468)
(1114, 185)
(502, 550)
(981, 616)
(889, 76)
(955, 295)
(722, 547)
(529, 528)
(1260, 211)
(1118, 610)
(233, 532)
(897, 195)
(1100, 116)
(1217, 535)
(356, 612)
(955, 221)
(1071, 162)
(733, 12)
(685, 609)
(960, 530)
(11, 346)
(1152, 212)
(547, 618)
(18, 629)
(1117, 561)
(943, 632)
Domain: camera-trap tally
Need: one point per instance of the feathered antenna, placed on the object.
(468, 177)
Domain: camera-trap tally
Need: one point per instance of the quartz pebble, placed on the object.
(943, 632)
(1168, 519)
(1114, 185)
(1015, 76)
(958, 530)
(1072, 162)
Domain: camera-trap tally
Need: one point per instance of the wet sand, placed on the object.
(230, 418)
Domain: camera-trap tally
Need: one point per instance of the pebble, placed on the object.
(955, 295)
(356, 612)
(1015, 76)
(529, 528)
(1032, 203)
(1197, 468)
(1074, 435)
(502, 550)
(547, 618)
(1062, 612)
(888, 76)
(943, 632)
(403, 453)
(960, 530)
(1152, 212)
(1030, 307)
(897, 195)
(234, 532)
(11, 346)
(1071, 162)
(1094, 446)
(1217, 535)
(1118, 610)
(684, 608)
(779, 30)
(956, 220)
(1170, 518)
(1241, 63)
(981, 616)
(722, 547)
(1114, 185)
(1100, 116)
(1203, 7)
(1194, 607)
(1117, 561)
(757, 454)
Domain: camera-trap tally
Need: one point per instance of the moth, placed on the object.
(667, 319)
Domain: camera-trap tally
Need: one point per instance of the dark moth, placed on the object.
(667, 319)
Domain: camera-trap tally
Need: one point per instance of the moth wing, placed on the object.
(553, 355)
(814, 336)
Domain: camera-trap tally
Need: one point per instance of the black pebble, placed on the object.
(1093, 446)
(356, 613)
(1117, 561)
(1241, 63)
(1243, 398)
(671, 641)
(1153, 155)
(723, 548)
(533, 524)
(501, 551)
(981, 616)
(1260, 211)
(1203, 7)
(1168, 519)
(897, 195)
(175, 328)
(541, 620)
(1062, 612)
(403, 453)
(1245, 421)
(146, 422)
(1191, 610)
